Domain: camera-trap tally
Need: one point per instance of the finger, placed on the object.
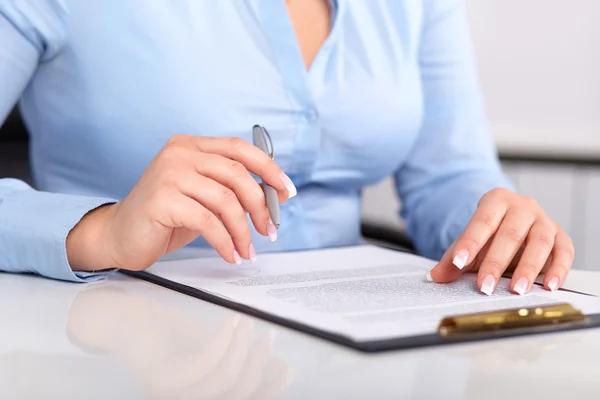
(254, 159)
(225, 374)
(445, 271)
(235, 176)
(561, 263)
(506, 243)
(483, 225)
(538, 247)
(251, 376)
(187, 371)
(274, 388)
(222, 202)
(185, 212)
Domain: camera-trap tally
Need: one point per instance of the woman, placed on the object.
(350, 91)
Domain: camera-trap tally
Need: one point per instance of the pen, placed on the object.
(259, 137)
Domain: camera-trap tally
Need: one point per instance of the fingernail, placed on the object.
(236, 257)
(236, 320)
(289, 185)
(460, 259)
(272, 231)
(428, 276)
(488, 284)
(553, 284)
(521, 286)
(252, 253)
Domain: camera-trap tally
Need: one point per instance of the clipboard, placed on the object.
(453, 329)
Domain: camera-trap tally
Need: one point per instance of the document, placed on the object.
(365, 293)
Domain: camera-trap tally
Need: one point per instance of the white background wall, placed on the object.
(539, 66)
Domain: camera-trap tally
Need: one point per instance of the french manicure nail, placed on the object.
(289, 185)
(236, 257)
(521, 286)
(272, 231)
(488, 284)
(252, 253)
(428, 276)
(236, 320)
(553, 284)
(460, 259)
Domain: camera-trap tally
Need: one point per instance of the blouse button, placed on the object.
(310, 117)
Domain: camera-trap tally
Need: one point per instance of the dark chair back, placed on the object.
(14, 152)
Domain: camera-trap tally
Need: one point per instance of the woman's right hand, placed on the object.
(195, 186)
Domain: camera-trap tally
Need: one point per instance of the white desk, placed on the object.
(128, 339)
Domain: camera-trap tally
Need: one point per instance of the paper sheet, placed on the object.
(363, 292)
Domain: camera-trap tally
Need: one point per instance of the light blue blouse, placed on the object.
(103, 85)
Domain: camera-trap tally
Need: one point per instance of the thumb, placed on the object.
(445, 271)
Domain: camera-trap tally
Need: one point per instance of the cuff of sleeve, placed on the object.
(34, 232)
(90, 276)
(73, 216)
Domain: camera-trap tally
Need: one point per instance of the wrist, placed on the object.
(86, 242)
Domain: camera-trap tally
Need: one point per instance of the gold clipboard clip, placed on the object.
(562, 313)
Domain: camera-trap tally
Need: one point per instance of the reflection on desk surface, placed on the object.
(109, 334)
(129, 339)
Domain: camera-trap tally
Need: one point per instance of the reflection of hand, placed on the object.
(173, 354)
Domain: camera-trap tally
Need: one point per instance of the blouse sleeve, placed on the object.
(454, 161)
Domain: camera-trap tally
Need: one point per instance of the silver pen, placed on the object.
(259, 138)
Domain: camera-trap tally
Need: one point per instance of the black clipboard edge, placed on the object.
(405, 343)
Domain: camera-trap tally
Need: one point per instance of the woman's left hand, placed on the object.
(508, 232)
